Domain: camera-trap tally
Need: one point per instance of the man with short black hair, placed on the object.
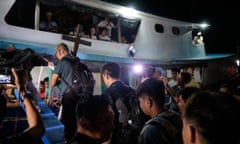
(164, 126)
(111, 78)
(95, 120)
(123, 100)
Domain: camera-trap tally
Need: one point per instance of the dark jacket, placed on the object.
(129, 118)
(164, 129)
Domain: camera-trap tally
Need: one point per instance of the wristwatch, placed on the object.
(28, 95)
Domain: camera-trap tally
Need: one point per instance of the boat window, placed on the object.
(159, 28)
(175, 30)
(66, 16)
(21, 14)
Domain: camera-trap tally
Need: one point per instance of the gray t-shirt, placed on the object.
(64, 69)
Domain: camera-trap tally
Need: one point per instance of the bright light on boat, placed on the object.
(204, 25)
(238, 62)
(128, 12)
(138, 68)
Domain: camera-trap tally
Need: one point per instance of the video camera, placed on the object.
(5, 75)
(8, 60)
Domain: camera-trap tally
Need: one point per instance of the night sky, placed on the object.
(223, 34)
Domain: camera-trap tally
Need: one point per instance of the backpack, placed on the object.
(126, 106)
(170, 125)
(83, 79)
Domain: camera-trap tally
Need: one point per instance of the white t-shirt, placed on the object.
(108, 25)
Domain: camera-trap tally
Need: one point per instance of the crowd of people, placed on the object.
(124, 115)
(104, 30)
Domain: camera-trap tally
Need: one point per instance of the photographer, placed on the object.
(36, 127)
(25, 59)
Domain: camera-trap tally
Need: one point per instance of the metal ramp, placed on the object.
(54, 128)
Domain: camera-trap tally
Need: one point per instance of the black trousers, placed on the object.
(69, 116)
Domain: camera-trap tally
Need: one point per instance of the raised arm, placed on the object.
(36, 126)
